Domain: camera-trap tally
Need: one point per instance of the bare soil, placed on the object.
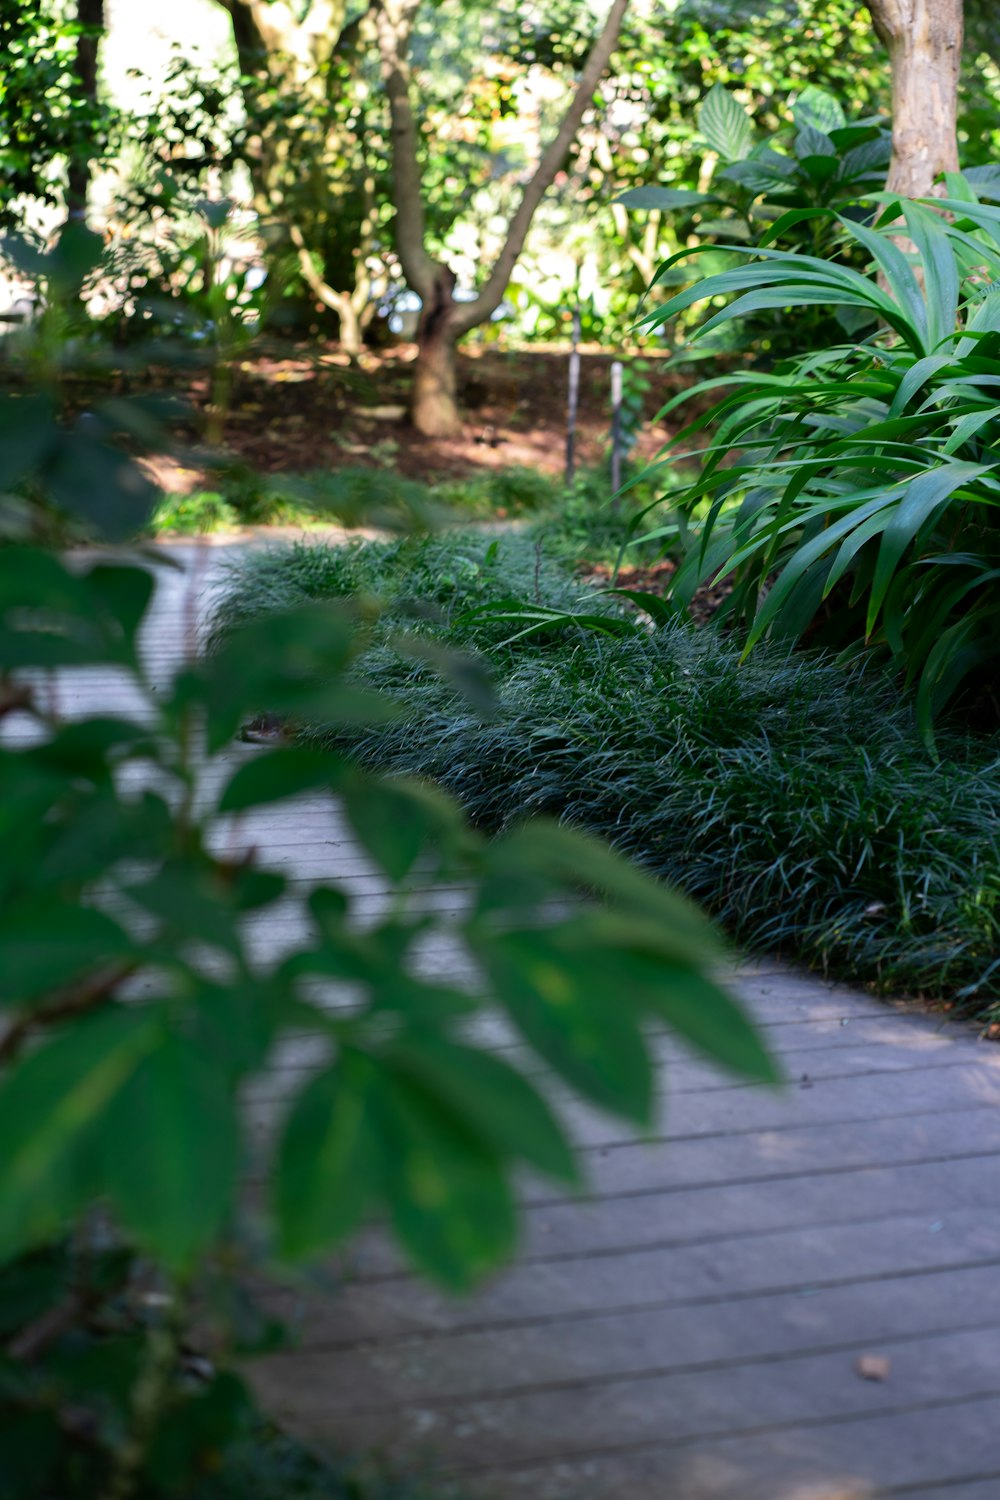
(311, 408)
(655, 579)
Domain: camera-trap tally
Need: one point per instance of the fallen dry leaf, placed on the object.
(872, 1367)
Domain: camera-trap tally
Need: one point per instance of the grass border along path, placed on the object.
(792, 797)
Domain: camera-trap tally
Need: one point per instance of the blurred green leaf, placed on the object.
(98, 485)
(171, 1150)
(26, 431)
(586, 1030)
(329, 1165)
(52, 1106)
(49, 945)
(276, 774)
(497, 1101)
(449, 1200)
(397, 819)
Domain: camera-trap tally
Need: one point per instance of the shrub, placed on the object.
(513, 491)
(855, 491)
(194, 515)
(778, 188)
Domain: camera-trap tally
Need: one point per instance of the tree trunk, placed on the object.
(924, 41)
(90, 15)
(433, 401)
(443, 322)
(434, 398)
(289, 52)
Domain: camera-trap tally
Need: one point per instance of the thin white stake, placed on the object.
(573, 400)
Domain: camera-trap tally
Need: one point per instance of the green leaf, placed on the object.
(76, 253)
(756, 177)
(469, 673)
(966, 428)
(582, 1025)
(702, 1013)
(276, 774)
(92, 835)
(815, 145)
(940, 268)
(192, 902)
(236, 1024)
(396, 820)
(660, 610)
(125, 594)
(497, 1101)
(666, 199)
(49, 945)
(192, 1434)
(291, 664)
(867, 161)
(27, 427)
(171, 1150)
(789, 220)
(50, 617)
(985, 180)
(574, 860)
(99, 485)
(328, 1165)
(89, 746)
(924, 497)
(451, 1205)
(53, 1104)
(815, 107)
(725, 124)
(30, 1445)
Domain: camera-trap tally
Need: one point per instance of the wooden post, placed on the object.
(573, 399)
(616, 430)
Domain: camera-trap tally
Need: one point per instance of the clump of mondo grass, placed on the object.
(793, 797)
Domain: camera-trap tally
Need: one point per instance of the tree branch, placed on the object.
(321, 290)
(342, 303)
(251, 51)
(469, 314)
(394, 25)
(76, 1001)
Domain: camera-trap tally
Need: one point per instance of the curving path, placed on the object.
(703, 1325)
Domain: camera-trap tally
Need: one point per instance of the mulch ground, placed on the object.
(307, 408)
(656, 579)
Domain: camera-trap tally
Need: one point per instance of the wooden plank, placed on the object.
(800, 1150)
(861, 1457)
(738, 1108)
(380, 1376)
(658, 1411)
(383, 1306)
(706, 1215)
(983, 1487)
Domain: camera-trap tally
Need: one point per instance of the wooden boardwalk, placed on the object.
(692, 1330)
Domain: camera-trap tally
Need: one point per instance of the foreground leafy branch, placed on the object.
(136, 1013)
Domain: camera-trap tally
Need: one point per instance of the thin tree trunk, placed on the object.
(924, 41)
(286, 51)
(90, 15)
(443, 322)
(341, 303)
